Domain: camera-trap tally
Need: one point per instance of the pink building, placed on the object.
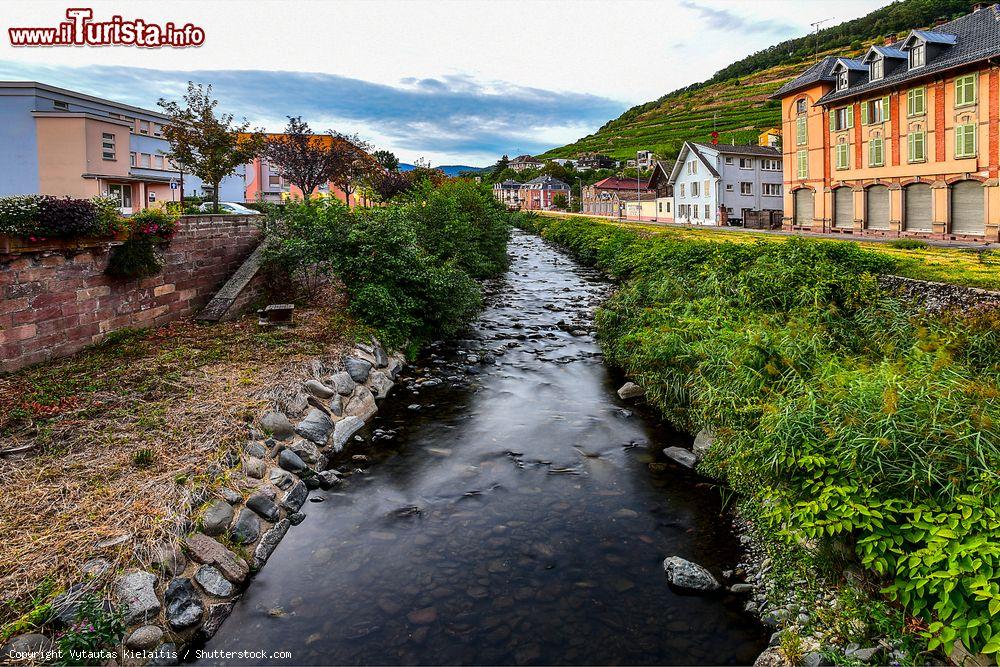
(539, 194)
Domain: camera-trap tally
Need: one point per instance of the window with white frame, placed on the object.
(729, 187)
(146, 160)
(108, 146)
(842, 119)
(771, 189)
(143, 127)
(708, 212)
(729, 160)
(842, 80)
(694, 189)
(770, 164)
(683, 190)
(746, 163)
(876, 69)
(800, 106)
(746, 188)
(918, 55)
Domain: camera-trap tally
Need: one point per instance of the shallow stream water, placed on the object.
(512, 510)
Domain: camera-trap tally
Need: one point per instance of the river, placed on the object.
(516, 513)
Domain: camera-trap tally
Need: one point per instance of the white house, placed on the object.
(714, 185)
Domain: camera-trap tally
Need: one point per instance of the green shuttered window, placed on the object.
(876, 152)
(965, 140)
(801, 135)
(803, 163)
(916, 142)
(916, 102)
(965, 90)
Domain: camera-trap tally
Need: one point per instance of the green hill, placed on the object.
(735, 100)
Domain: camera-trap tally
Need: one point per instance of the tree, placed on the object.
(354, 164)
(560, 202)
(205, 144)
(391, 184)
(306, 159)
(387, 159)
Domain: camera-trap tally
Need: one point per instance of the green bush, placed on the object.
(839, 412)
(410, 269)
(908, 244)
(42, 217)
(138, 256)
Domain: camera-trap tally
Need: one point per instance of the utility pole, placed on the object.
(638, 197)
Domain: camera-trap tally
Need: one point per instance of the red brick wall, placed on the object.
(57, 302)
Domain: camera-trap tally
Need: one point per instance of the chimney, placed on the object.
(889, 39)
(979, 5)
(940, 21)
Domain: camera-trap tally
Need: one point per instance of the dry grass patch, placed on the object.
(108, 451)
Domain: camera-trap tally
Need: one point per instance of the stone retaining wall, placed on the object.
(55, 302)
(940, 296)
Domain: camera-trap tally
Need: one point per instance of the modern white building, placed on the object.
(723, 184)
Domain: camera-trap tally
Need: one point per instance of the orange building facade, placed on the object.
(902, 142)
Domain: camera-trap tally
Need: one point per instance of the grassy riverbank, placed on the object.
(959, 266)
(850, 424)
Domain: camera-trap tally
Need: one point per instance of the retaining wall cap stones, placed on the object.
(203, 549)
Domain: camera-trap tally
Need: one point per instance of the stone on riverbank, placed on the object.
(268, 543)
(345, 428)
(216, 518)
(318, 389)
(203, 549)
(277, 424)
(137, 593)
(380, 383)
(688, 576)
(246, 530)
(630, 390)
(703, 442)
(362, 405)
(184, 605)
(264, 507)
(315, 427)
(144, 638)
(343, 383)
(683, 456)
(295, 497)
(358, 369)
(306, 450)
(213, 583)
(31, 643)
(291, 461)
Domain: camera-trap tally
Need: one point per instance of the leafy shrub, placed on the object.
(139, 255)
(18, 215)
(98, 626)
(41, 217)
(838, 412)
(410, 268)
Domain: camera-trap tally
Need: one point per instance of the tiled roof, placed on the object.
(972, 38)
(613, 183)
(821, 71)
(741, 149)
(509, 184)
(525, 158)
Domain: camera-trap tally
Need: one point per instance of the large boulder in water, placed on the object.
(689, 577)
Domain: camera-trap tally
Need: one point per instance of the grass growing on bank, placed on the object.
(121, 440)
(410, 268)
(959, 266)
(841, 415)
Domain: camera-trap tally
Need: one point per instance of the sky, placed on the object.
(449, 81)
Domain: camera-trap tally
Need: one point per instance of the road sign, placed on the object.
(173, 185)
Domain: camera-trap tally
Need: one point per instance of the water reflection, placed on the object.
(514, 512)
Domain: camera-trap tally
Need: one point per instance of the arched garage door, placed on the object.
(917, 208)
(843, 208)
(967, 208)
(804, 207)
(877, 207)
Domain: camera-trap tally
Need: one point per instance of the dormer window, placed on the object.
(876, 69)
(918, 56)
(842, 80)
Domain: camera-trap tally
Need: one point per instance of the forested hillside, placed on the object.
(735, 100)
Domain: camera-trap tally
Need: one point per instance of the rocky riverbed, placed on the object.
(504, 506)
